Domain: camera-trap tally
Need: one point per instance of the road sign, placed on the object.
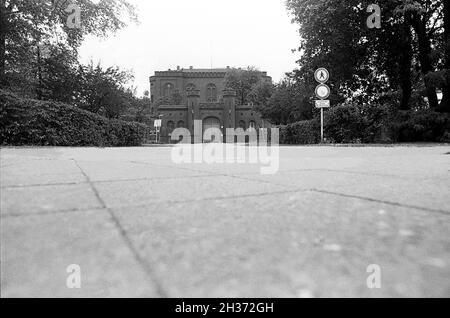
(323, 91)
(322, 75)
(323, 103)
(158, 123)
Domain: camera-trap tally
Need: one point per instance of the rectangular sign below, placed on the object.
(323, 104)
(158, 123)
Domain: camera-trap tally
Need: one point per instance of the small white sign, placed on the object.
(323, 103)
(158, 123)
(322, 75)
(323, 91)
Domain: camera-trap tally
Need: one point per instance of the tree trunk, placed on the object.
(424, 57)
(39, 73)
(445, 103)
(405, 67)
(2, 43)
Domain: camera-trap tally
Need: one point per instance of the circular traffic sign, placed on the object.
(322, 75)
(323, 91)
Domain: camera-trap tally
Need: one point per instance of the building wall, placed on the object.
(195, 104)
(180, 79)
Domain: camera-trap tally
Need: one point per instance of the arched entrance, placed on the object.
(208, 123)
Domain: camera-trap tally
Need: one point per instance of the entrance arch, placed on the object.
(211, 122)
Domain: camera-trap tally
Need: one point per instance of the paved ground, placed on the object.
(139, 225)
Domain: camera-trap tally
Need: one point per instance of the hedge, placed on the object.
(44, 123)
(423, 125)
(303, 132)
(351, 123)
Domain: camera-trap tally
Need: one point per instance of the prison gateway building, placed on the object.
(183, 96)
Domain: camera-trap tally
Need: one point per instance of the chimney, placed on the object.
(191, 67)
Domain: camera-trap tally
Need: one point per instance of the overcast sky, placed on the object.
(236, 33)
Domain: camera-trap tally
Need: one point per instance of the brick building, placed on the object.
(185, 95)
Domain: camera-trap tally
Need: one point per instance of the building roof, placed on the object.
(204, 70)
(196, 72)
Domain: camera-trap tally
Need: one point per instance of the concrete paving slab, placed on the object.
(199, 230)
(291, 245)
(23, 180)
(132, 193)
(312, 179)
(45, 199)
(37, 250)
(31, 166)
(426, 194)
(117, 171)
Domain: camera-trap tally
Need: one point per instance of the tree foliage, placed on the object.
(39, 53)
(243, 81)
(287, 104)
(29, 28)
(409, 54)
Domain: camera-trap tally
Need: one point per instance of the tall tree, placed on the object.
(59, 72)
(425, 17)
(27, 25)
(3, 31)
(287, 104)
(332, 35)
(243, 82)
(104, 91)
(367, 62)
(446, 89)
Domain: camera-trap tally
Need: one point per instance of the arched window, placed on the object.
(170, 127)
(168, 90)
(190, 87)
(180, 124)
(211, 93)
(252, 125)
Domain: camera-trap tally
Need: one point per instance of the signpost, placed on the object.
(322, 92)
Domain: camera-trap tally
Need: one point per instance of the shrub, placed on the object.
(352, 123)
(43, 123)
(377, 127)
(421, 125)
(344, 124)
(303, 132)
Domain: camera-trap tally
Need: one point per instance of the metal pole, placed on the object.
(321, 124)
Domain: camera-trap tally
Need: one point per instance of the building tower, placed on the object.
(193, 101)
(229, 101)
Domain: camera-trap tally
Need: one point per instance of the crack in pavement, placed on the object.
(233, 197)
(104, 181)
(141, 261)
(415, 207)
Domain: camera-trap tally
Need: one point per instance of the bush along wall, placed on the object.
(41, 123)
(351, 123)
